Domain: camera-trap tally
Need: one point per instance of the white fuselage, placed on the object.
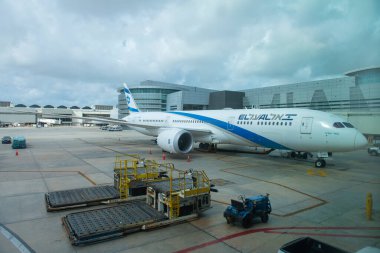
(289, 129)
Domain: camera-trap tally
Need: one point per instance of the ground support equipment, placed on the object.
(81, 197)
(98, 225)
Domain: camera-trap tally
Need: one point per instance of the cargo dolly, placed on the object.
(130, 179)
(81, 197)
(108, 223)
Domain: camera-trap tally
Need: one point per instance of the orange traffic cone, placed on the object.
(16, 152)
(188, 159)
(163, 156)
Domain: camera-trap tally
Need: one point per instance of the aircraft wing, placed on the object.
(194, 131)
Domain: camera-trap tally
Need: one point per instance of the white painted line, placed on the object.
(15, 241)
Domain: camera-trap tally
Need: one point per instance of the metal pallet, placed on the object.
(108, 223)
(60, 200)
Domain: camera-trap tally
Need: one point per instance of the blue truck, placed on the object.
(247, 209)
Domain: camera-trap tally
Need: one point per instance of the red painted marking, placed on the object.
(273, 230)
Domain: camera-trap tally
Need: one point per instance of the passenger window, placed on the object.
(338, 125)
(348, 125)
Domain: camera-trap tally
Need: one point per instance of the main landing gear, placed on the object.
(209, 147)
(319, 163)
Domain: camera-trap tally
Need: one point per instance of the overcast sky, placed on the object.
(77, 52)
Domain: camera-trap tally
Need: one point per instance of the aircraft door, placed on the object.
(306, 125)
(167, 121)
(230, 123)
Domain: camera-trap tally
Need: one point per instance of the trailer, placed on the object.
(80, 197)
(109, 223)
(131, 177)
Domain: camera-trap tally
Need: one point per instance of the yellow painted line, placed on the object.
(52, 171)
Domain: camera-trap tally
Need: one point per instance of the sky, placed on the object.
(78, 52)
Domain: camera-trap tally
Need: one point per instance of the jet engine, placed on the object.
(175, 141)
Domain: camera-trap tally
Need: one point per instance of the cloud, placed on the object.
(79, 52)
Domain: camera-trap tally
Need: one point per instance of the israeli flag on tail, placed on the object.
(132, 106)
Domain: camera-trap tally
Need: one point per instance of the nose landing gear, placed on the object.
(320, 163)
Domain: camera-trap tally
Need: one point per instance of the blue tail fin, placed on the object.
(132, 106)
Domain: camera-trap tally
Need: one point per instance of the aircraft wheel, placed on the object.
(265, 218)
(320, 163)
(246, 222)
(229, 220)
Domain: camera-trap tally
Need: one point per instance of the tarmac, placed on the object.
(326, 204)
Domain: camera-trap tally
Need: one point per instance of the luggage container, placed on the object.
(19, 142)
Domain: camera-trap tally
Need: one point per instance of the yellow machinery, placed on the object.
(184, 193)
(134, 172)
(172, 191)
(190, 191)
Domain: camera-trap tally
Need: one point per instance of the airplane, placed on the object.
(297, 131)
(300, 131)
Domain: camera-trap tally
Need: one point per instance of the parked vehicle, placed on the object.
(375, 150)
(115, 128)
(308, 245)
(247, 209)
(6, 140)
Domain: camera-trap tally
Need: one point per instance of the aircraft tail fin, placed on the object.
(132, 106)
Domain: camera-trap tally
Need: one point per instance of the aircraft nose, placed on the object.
(360, 141)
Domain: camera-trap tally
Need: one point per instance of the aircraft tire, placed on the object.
(320, 163)
(265, 218)
(246, 222)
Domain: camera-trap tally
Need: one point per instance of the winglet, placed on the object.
(132, 106)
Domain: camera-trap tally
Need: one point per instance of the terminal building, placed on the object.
(23, 115)
(355, 96)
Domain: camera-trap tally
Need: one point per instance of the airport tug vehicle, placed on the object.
(247, 209)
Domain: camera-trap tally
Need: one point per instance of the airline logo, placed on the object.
(266, 116)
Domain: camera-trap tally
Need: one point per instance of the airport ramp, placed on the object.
(80, 197)
(108, 223)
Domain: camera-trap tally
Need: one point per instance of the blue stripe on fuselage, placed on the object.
(244, 133)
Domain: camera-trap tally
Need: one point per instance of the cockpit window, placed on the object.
(338, 125)
(348, 125)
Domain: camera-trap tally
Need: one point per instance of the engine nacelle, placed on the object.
(175, 141)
